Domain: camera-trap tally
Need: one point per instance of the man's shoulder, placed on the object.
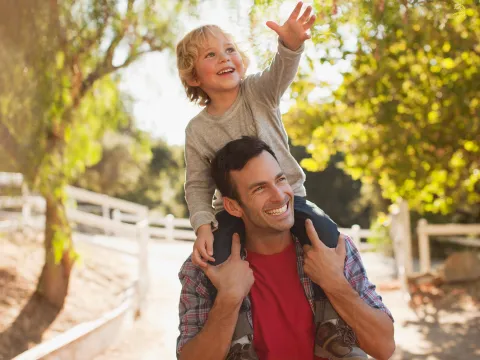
(191, 274)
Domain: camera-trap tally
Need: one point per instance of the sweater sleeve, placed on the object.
(269, 85)
(199, 185)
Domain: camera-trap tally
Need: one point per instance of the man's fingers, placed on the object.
(341, 248)
(296, 11)
(274, 26)
(306, 248)
(210, 270)
(236, 247)
(312, 235)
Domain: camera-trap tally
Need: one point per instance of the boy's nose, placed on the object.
(224, 57)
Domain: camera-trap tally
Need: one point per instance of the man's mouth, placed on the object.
(226, 71)
(278, 211)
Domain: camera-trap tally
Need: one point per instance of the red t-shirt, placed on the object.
(282, 317)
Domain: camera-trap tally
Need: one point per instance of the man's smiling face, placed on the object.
(265, 197)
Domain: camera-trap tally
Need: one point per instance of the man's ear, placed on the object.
(232, 207)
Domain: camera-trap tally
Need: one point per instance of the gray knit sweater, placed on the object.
(255, 112)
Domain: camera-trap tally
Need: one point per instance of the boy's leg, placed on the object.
(222, 236)
(334, 339)
(326, 228)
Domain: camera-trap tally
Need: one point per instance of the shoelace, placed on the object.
(347, 334)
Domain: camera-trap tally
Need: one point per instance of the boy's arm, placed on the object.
(199, 185)
(270, 84)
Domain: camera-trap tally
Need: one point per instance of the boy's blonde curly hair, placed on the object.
(187, 54)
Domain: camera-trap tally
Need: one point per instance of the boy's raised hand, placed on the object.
(293, 32)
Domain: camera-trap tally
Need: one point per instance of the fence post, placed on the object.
(169, 227)
(143, 237)
(423, 246)
(106, 215)
(408, 256)
(356, 235)
(26, 206)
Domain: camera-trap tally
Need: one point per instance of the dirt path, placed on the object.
(444, 335)
(154, 334)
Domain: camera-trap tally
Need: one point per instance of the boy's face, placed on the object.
(219, 66)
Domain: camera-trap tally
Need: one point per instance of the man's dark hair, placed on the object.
(234, 156)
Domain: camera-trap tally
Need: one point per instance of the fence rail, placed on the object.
(425, 230)
(78, 201)
(171, 228)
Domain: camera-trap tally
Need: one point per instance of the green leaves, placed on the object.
(407, 112)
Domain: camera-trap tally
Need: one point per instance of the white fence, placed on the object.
(425, 230)
(30, 204)
(171, 228)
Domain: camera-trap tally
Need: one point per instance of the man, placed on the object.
(251, 316)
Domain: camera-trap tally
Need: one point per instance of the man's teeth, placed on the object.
(278, 211)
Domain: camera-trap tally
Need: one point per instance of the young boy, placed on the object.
(212, 70)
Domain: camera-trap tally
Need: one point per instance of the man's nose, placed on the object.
(277, 194)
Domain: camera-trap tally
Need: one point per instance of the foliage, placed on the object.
(161, 186)
(336, 193)
(407, 112)
(380, 237)
(62, 97)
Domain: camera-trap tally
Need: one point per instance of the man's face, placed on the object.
(266, 198)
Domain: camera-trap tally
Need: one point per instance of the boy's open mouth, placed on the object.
(226, 71)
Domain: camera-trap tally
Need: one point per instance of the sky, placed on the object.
(160, 104)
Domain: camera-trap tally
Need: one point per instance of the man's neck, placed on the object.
(222, 101)
(268, 244)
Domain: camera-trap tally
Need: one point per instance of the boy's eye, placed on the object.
(210, 54)
(230, 50)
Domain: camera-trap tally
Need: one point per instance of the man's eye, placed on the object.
(282, 179)
(258, 189)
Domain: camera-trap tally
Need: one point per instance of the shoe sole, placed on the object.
(321, 352)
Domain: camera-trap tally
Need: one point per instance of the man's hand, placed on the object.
(323, 265)
(233, 278)
(293, 32)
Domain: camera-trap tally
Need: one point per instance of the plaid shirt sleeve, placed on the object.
(195, 303)
(357, 277)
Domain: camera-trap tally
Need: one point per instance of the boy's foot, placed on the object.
(335, 340)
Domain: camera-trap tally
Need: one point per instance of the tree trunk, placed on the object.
(55, 276)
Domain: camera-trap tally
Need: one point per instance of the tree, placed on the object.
(161, 186)
(406, 115)
(125, 154)
(65, 52)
